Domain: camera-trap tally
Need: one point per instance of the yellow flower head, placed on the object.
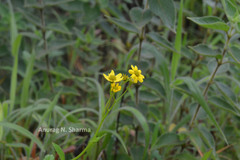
(125, 77)
(171, 127)
(136, 74)
(112, 77)
(182, 129)
(115, 87)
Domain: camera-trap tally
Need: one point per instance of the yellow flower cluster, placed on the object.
(136, 76)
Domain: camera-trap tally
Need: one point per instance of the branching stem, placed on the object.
(220, 62)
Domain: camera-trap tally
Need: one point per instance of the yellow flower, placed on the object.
(136, 74)
(182, 129)
(112, 77)
(125, 77)
(171, 127)
(115, 87)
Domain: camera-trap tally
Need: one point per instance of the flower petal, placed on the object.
(112, 85)
(132, 67)
(118, 77)
(106, 77)
(112, 73)
(130, 71)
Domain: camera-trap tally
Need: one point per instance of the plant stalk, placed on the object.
(211, 79)
(43, 28)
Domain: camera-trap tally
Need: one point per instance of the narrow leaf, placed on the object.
(123, 24)
(24, 132)
(204, 50)
(178, 44)
(197, 95)
(27, 80)
(59, 151)
(210, 22)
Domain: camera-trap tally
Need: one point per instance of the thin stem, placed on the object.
(211, 79)
(141, 38)
(118, 120)
(108, 109)
(43, 28)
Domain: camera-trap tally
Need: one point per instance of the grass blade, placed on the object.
(178, 43)
(1, 119)
(142, 122)
(24, 132)
(50, 108)
(59, 151)
(197, 95)
(27, 80)
(118, 137)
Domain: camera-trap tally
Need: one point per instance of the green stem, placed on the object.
(107, 110)
(43, 28)
(211, 78)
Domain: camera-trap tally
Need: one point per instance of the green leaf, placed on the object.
(210, 22)
(178, 44)
(207, 136)
(196, 140)
(103, 3)
(223, 104)
(24, 132)
(101, 99)
(16, 45)
(54, 3)
(27, 80)
(147, 96)
(62, 72)
(204, 50)
(59, 151)
(49, 157)
(166, 139)
(185, 156)
(56, 45)
(49, 109)
(155, 85)
(147, 50)
(230, 10)
(1, 119)
(118, 137)
(140, 17)
(123, 24)
(141, 119)
(226, 90)
(212, 64)
(207, 155)
(197, 95)
(228, 95)
(234, 52)
(165, 10)
(58, 28)
(31, 18)
(156, 37)
(15, 49)
(13, 25)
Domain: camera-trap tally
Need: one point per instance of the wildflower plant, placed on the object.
(187, 107)
(116, 80)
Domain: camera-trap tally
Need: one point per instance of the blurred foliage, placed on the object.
(52, 57)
